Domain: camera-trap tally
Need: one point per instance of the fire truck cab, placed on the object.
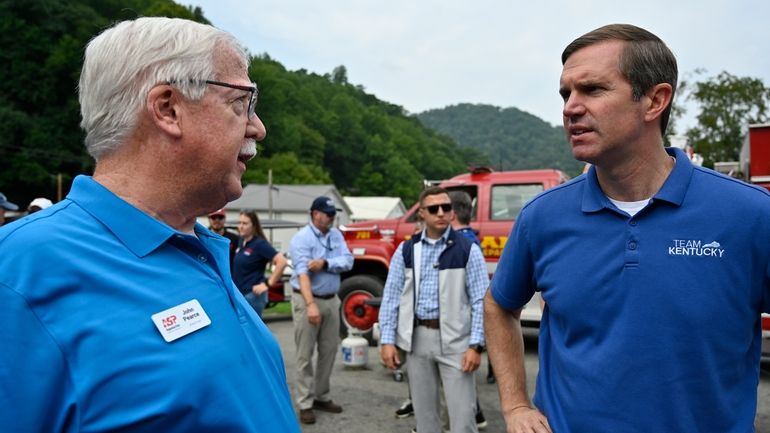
(497, 198)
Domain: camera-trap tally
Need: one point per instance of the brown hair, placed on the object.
(645, 60)
(432, 190)
(252, 215)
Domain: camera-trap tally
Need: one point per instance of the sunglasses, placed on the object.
(216, 217)
(433, 209)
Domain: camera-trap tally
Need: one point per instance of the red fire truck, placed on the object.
(497, 198)
(755, 162)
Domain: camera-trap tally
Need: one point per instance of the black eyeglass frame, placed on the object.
(433, 209)
(250, 110)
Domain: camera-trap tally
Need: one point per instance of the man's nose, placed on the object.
(256, 129)
(573, 107)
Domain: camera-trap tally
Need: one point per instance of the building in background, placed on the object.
(374, 208)
(283, 209)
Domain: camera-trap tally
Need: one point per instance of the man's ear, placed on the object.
(659, 98)
(163, 107)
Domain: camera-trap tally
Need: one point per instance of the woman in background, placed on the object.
(251, 258)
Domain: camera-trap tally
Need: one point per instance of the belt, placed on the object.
(428, 323)
(317, 296)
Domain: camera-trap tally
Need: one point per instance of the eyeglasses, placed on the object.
(433, 209)
(253, 89)
(216, 217)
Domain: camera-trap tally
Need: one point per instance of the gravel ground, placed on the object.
(370, 396)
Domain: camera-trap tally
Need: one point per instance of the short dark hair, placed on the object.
(431, 190)
(645, 60)
(462, 205)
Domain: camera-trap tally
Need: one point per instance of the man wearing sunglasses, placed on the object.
(127, 318)
(432, 309)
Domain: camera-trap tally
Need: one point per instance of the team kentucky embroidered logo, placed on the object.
(691, 247)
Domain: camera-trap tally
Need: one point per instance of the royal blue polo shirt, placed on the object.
(79, 283)
(652, 322)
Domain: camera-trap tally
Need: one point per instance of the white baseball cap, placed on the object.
(40, 202)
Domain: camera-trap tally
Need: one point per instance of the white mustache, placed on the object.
(248, 149)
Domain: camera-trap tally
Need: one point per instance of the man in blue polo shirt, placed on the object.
(124, 316)
(654, 271)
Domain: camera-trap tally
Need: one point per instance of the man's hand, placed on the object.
(524, 419)
(315, 265)
(259, 289)
(471, 360)
(389, 355)
(313, 314)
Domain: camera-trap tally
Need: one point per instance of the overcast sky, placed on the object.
(431, 54)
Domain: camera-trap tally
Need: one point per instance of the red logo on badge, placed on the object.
(169, 321)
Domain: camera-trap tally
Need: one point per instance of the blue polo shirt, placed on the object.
(79, 283)
(652, 323)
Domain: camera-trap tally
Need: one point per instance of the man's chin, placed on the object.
(234, 191)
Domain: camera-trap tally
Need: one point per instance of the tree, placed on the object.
(287, 169)
(728, 104)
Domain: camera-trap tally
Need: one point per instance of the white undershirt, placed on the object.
(630, 207)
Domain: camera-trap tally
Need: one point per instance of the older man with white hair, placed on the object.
(127, 319)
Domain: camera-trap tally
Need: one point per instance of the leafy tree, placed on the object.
(728, 104)
(287, 169)
(43, 43)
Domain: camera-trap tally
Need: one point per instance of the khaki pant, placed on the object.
(313, 383)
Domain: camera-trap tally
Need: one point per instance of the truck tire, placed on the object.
(353, 311)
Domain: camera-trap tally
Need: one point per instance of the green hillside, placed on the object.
(512, 139)
(321, 129)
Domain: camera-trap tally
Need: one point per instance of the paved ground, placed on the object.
(370, 396)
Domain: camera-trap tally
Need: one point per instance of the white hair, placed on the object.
(123, 63)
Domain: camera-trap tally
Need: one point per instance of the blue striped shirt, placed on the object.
(427, 307)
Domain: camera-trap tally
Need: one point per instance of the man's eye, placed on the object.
(241, 103)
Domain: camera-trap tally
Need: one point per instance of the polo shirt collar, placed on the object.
(672, 191)
(138, 231)
(316, 231)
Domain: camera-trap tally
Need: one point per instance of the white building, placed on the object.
(287, 209)
(375, 208)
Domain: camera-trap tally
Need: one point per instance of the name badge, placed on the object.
(176, 322)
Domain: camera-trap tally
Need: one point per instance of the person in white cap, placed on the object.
(4, 206)
(37, 204)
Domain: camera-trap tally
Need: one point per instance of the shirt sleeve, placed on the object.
(36, 391)
(265, 250)
(513, 284)
(391, 295)
(343, 261)
(300, 252)
(476, 282)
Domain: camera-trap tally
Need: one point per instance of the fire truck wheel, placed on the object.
(354, 311)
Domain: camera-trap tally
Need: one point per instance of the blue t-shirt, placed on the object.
(250, 263)
(79, 282)
(652, 322)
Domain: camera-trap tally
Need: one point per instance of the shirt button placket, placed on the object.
(632, 245)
